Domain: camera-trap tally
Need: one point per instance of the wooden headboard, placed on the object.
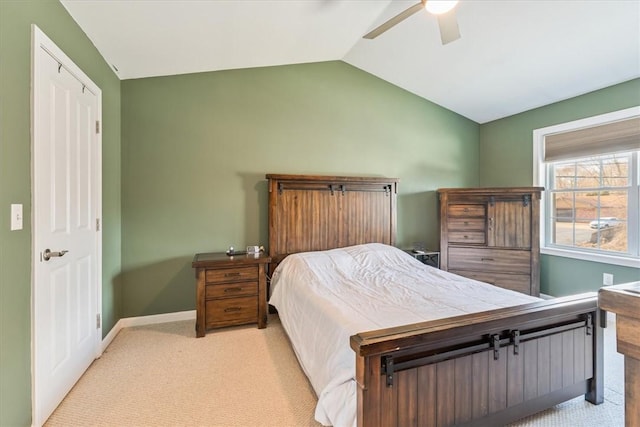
(312, 213)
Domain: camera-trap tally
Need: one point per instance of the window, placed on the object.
(590, 170)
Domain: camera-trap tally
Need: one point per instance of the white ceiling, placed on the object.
(513, 55)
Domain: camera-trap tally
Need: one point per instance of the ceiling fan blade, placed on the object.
(448, 23)
(395, 20)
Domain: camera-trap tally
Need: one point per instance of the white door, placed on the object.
(66, 204)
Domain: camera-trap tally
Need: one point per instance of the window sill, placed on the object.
(604, 259)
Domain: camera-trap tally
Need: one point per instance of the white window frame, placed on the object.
(540, 178)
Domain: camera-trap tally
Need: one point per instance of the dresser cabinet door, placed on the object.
(509, 224)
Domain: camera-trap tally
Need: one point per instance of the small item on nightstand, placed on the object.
(253, 249)
(232, 252)
(418, 248)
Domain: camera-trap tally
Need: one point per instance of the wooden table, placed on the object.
(624, 301)
(230, 290)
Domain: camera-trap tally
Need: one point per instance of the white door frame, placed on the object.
(41, 41)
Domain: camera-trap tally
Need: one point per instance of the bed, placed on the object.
(483, 357)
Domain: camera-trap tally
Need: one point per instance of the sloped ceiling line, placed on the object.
(513, 55)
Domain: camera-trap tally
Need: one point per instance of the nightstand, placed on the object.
(230, 290)
(427, 257)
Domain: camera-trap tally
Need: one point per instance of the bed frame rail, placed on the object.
(482, 369)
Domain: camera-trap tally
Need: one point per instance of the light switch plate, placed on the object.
(16, 217)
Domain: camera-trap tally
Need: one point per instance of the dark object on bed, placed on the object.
(487, 368)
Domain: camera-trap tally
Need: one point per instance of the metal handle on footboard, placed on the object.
(394, 363)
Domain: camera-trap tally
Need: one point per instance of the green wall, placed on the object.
(566, 276)
(196, 149)
(506, 159)
(16, 18)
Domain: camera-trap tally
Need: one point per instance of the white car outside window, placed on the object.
(604, 222)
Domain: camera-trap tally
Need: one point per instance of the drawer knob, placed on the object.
(232, 309)
(235, 273)
(487, 259)
(233, 289)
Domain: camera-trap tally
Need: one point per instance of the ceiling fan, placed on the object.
(443, 9)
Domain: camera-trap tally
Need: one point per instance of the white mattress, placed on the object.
(324, 297)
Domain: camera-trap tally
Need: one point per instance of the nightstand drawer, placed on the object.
(475, 237)
(467, 210)
(227, 290)
(515, 282)
(231, 311)
(494, 260)
(237, 274)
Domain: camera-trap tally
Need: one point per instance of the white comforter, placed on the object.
(325, 297)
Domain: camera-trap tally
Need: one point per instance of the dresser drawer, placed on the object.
(473, 237)
(494, 260)
(515, 282)
(459, 224)
(467, 210)
(238, 274)
(231, 311)
(226, 290)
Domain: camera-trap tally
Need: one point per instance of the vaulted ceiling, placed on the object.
(512, 55)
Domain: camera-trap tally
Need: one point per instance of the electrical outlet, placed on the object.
(607, 279)
(16, 217)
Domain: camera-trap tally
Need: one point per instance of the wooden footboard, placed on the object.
(489, 368)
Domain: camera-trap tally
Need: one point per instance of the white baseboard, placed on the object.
(128, 322)
(110, 336)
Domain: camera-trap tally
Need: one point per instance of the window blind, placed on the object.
(614, 137)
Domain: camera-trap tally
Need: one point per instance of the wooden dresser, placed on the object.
(230, 290)
(492, 235)
(624, 301)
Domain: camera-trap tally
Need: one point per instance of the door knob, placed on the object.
(47, 254)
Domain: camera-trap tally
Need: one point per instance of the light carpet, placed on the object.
(161, 375)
